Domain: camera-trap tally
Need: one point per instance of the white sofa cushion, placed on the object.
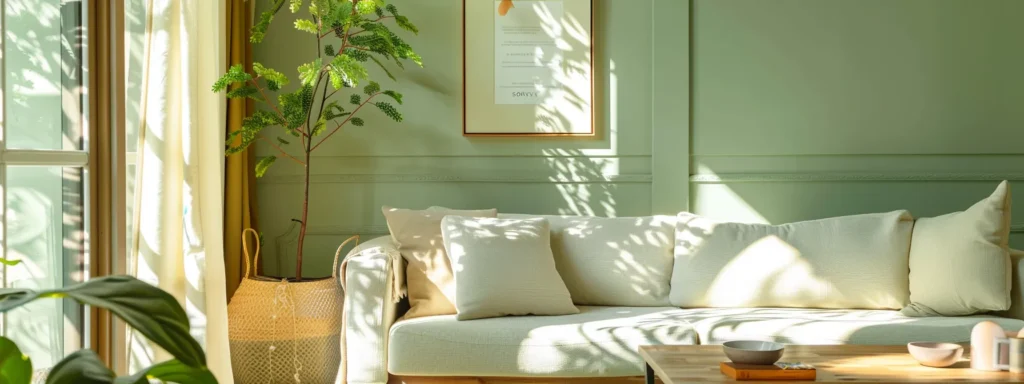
(623, 261)
(599, 341)
(832, 326)
(844, 262)
(503, 267)
(429, 277)
(960, 262)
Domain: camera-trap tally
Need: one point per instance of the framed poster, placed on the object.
(528, 68)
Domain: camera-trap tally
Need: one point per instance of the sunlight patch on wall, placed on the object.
(718, 201)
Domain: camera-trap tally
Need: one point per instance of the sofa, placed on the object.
(843, 280)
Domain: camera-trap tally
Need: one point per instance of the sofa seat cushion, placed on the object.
(832, 326)
(599, 341)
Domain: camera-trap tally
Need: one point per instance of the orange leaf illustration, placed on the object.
(504, 7)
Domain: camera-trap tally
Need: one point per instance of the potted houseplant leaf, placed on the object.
(145, 308)
(330, 90)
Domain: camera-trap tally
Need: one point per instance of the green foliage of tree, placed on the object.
(349, 34)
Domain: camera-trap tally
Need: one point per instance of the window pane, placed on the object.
(46, 230)
(44, 46)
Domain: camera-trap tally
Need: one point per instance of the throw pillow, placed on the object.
(843, 262)
(960, 263)
(504, 267)
(613, 261)
(428, 273)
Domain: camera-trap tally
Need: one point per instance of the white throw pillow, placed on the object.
(622, 261)
(503, 267)
(844, 262)
(960, 262)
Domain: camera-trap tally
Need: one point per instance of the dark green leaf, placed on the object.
(357, 54)
(282, 141)
(245, 91)
(15, 367)
(329, 50)
(333, 111)
(264, 164)
(251, 128)
(404, 23)
(295, 106)
(148, 309)
(371, 88)
(355, 99)
(356, 121)
(389, 110)
(392, 9)
(394, 95)
(172, 371)
(80, 367)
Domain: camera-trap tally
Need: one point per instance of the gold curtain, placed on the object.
(239, 169)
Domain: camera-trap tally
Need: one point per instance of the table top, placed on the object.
(676, 364)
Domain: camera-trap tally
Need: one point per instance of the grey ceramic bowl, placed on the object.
(753, 352)
(936, 355)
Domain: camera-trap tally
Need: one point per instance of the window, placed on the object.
(46, 171)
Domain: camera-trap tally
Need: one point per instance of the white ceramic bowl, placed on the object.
(936, 355)
(753, 352)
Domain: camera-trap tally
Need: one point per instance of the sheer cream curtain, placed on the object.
(177, 228)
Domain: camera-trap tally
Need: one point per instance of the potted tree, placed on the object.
(284, 329)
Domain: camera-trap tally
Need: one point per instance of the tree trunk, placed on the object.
(305, 217)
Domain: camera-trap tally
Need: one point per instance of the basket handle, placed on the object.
(337, 255)
(245, 249)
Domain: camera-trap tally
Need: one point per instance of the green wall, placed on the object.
(426, 161)
(805, 109)
(754, 110)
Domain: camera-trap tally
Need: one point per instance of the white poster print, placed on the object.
(526, 53)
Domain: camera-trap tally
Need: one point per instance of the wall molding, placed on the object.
(1019, 228)
(340, 230)
(495, 177)
(838, 176)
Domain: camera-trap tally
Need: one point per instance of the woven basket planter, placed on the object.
(285, 332)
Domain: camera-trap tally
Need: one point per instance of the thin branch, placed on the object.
(309, 112)
(267, 99)
(279, 149)
(350, 116)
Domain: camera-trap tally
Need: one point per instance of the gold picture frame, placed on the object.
(562, 102)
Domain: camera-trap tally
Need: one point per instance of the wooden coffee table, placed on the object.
(675, 364)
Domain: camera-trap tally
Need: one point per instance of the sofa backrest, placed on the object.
(624, 261)
(856, 261)
(1016, 310)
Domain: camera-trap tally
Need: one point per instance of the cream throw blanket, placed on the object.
(396, 281)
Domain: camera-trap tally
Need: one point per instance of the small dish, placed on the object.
(753, 352)
(937, 355)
